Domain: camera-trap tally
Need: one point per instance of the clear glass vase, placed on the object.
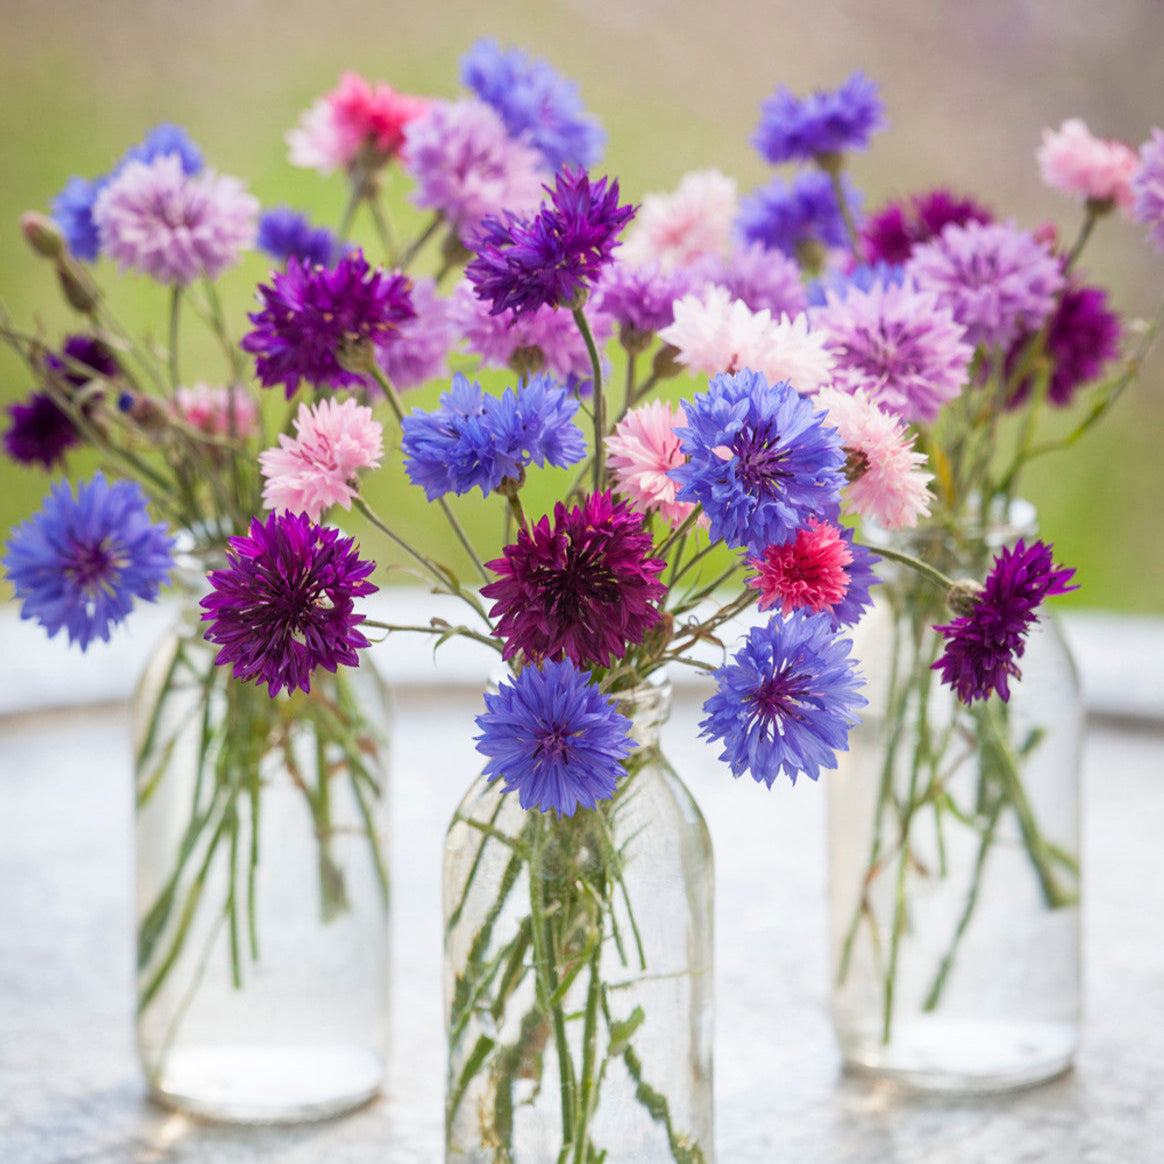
(261, 887)
(954, 845)
(578, 971)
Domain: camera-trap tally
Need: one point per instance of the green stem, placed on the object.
(599, 398)
(589, 1048)
(175, 314)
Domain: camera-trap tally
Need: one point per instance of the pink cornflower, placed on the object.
(354, 116)
(156, 219)
(715, 333)
(314, 471)
(807, 573)
(641, 451)
(886, 480)
(209, 410)
(677, 229)
(1088, 168)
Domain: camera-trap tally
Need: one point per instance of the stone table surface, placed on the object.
(70, 1092)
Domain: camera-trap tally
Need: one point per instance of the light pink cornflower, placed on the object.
(1088, 168)
(641, 451)
(156, 219)
(886, 480)
(315, 470)
(679, 228)
(806, 573)
(420, 346)
(466, 165)
(715, 333)
(354, 116)
(209, 410)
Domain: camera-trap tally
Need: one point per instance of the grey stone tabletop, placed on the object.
(70, 1092)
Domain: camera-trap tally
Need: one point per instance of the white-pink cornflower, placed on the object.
(715, 333)
(1075, 162)
(886, 480)
(677, 229)
(209, 410)
(315, 470)
(641, 451)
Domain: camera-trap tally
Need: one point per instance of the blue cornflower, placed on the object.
(786, 701)
(794, 129)
(284, 233)
(862, 278)
(552, 258)
(82, 560)
(73, 207)
(760, 460)
(552, 736)
(787, 218)
(474, 440)
(535, 103)
(862, 577)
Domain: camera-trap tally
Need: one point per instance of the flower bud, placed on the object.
(666, 363)
(963, 596)
(42, 234)
(77, 287)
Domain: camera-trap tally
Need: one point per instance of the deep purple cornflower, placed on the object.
(1083, 334)
(890, 235)
(535, 102)
(549, 260)
(474, 440)
(583, 588)
(84, 559)
(283, 605)
(81, 352)
(982, 646)
(554, 738)
(40, 433)
(790, 218)
(760, 460)
(316, 320)
(786, 701)
(284, 233)
(794, 129)
(1148, 188)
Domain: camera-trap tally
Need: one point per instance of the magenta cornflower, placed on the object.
(982, 646)
(317, 323)
(583, 588)
(1148, 188)
(551, 259)
(283, 606)
(890, 235)
(806, 573)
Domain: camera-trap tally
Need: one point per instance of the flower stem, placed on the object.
(599, 398)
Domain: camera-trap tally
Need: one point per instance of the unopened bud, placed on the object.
(78, 288)
(666, 363)
(42, 234)
(356, 354)
(633, 339)
(963, 596)
(527, 361)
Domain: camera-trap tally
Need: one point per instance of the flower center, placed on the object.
(93, 566)
(778, 698)
(759, 461)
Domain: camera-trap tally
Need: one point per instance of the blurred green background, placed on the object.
(969, 88)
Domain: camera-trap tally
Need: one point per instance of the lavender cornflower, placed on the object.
(284, 233)
(982, 646)
(765, 279)
(535, 103)
(1148, 188)
(797, 218)
(554, 738)
(760, 460)
(551, 259)
(786, 701)
(283, 605)
(420, 346)
(641, 300)
(794, 129)
(315, 321)
(83, 560)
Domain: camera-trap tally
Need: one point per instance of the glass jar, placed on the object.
(954, 846)
(261, 886)
(578, 971)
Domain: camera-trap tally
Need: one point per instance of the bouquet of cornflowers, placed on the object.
(857, 367)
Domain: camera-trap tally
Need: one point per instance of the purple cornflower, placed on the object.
(41, 431)
(641, 300)
(154, 218)
(786, 701)
(998, 280)
(283, 605)
(82, 561)
(890, 235)
(792, 218)
(765, 279)
(583, 589)
(551, 259)
(467, 166)
(759, 460)
(474, 440)
(897, 344)
(794, 129)
(284, 233)
(554, 738)
(1083, 334)
(420, 346)
(982, 646)
(535, 102)
(1148, 188)
(315, 320)
(79, 352)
